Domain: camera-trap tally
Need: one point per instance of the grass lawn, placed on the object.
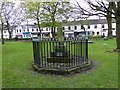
(17, 58)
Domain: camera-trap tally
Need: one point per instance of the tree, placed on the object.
(1, 27)
(112, 9)
(2, 32)
(116, 11)
(12, 15)
(55, 12)
(34, 12)
(99, 8)
(109, 19)
(47, 13)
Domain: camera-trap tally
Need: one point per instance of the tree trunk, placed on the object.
(10, 35)
(118, 26)
(38, 25)
(109, 20)
(59, 32)
(8, 28)
(2, 34)
(38, 18)
(53, 27)
(118, 31)
(53, 31)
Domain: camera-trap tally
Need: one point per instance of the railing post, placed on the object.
(86, 49)
(34, 49)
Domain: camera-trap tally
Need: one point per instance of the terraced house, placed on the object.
(70, 29)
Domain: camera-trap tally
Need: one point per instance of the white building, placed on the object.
(70, 29)
(93, 27)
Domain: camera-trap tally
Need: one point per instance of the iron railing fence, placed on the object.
(50, 53)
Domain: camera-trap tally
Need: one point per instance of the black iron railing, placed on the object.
(49, 53)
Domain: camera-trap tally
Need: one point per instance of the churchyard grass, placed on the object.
(17, 71)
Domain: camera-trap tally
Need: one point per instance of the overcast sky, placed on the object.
(81, 2)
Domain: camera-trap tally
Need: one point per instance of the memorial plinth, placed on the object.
(60, 55)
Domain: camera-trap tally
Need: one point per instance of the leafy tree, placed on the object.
(54, 13)
(33, 11)
(48, 14)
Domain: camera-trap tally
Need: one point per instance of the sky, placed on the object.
(81, 2)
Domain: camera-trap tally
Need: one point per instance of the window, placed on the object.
(20, 30)
(104, 29)
(69, 28)
(17, 30)
(88, 26)
(103, 26)
(63, 28)
(32, 29)
(37, 29)
(28, 30)
(88, 32)
(4, 31)
(103, 35)
(69, 35)
(97, 33)
(95, 26)
(46, 29)
(75, 27)
(24, 30)
(81, 26)
(113, 28)
(93, 33)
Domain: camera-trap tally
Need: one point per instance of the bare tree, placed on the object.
(2, 32)
(1, 27)
(100, 9)
(112, 10)
(12, 15)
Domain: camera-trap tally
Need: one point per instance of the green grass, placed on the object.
(18, 73)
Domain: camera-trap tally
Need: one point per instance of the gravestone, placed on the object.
(60, 55)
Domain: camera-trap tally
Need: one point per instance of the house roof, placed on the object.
(87, 22)
(83, 22)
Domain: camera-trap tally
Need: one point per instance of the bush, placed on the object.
(99, 36)
(16, 38)
(95, 37)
